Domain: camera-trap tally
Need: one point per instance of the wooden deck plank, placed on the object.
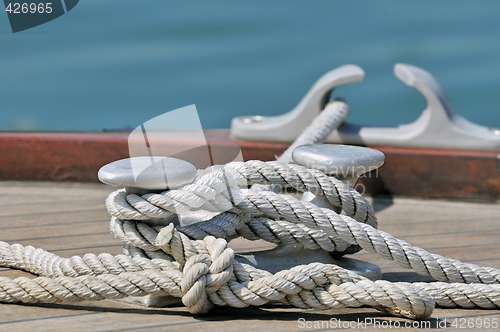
(72, 220)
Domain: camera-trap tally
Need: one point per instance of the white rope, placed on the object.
(133, 207)
(194, 262)
(332, 116)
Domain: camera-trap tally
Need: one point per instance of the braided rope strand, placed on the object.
(195, 263)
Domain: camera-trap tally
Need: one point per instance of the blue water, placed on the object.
(115, 64)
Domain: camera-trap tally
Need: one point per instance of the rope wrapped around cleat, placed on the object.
(195, 263)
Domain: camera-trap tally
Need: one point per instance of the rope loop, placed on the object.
(193, 262)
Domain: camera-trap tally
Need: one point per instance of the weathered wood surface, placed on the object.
(72, 220)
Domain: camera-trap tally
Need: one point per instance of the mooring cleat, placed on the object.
(142, 175)
(285, 257)
(346, 162)
(287, 127)
(149, 174)
(438, 127)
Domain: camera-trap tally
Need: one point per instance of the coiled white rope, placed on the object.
(330, 118)
(194, 262)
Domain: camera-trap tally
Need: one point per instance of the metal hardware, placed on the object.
(141, 175)
(145, 174)
(439, 126)
(347, 163)
(287, 127)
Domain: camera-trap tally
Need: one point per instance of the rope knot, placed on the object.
(207, 265)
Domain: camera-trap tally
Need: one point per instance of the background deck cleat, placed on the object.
(287, 127)
(438, 127)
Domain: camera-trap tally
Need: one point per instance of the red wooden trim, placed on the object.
(73, 157)
(430, 173)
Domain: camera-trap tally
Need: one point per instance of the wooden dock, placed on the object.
(72, 220)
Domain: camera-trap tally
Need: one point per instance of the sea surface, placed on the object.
(116, 64)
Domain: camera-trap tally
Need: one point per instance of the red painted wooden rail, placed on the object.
(428, 173)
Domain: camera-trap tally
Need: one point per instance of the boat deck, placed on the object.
(72, 220)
